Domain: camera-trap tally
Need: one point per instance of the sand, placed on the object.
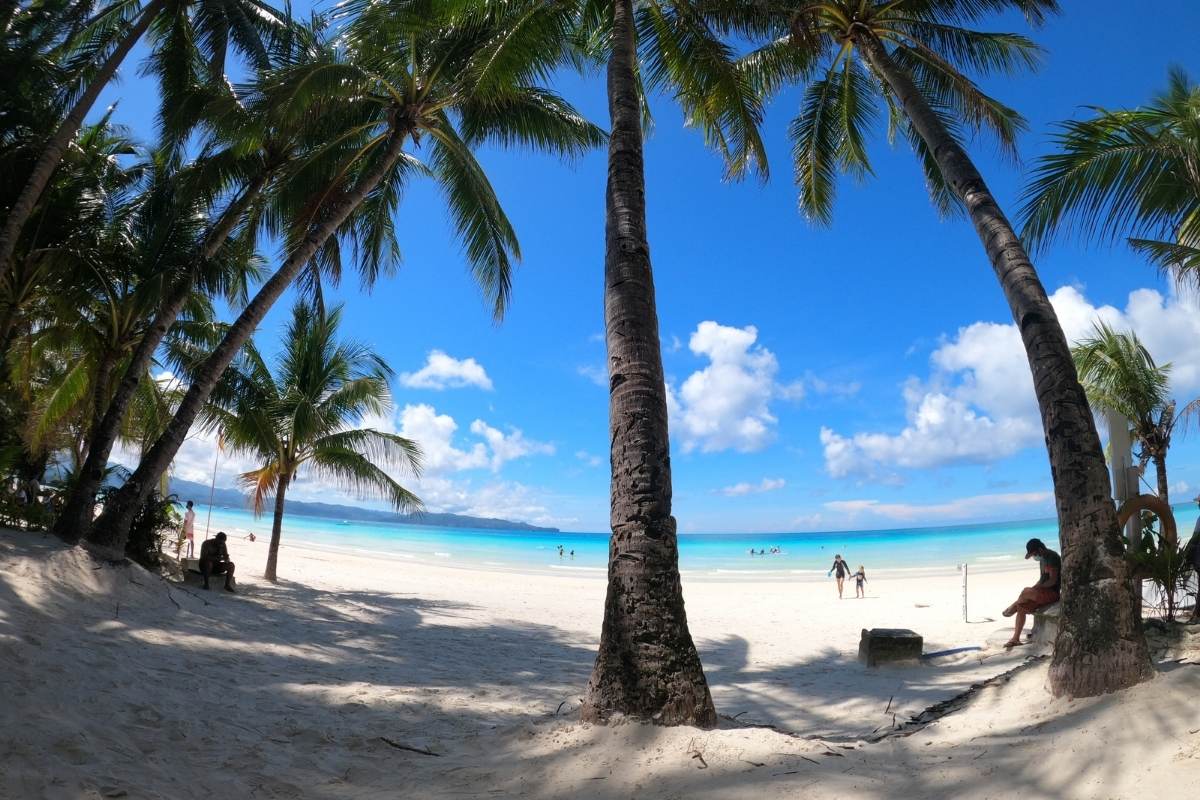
(120, 684)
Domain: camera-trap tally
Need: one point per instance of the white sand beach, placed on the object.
(120, 684)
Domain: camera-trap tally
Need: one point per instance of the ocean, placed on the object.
(986, 547)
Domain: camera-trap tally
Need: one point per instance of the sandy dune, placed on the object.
(117, 681)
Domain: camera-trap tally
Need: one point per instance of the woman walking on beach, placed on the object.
(842, 569)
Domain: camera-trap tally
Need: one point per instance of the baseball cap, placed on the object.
(1032, 546)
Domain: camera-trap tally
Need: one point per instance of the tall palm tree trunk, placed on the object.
(111, 529)
(647, 666)
(75, 519)
(277, 527)
(1100, 646)
(52, 153)
(103, 379)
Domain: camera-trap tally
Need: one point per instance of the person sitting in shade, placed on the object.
(1041, 594)
(214, 560)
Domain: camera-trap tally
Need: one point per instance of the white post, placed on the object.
(1125, 481)
(963, 569)
(1124, 474)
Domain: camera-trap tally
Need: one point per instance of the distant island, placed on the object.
(232, 498)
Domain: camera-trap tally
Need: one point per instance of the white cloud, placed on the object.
(941, 430)
(978, 404)
(496, 499)
(597, 375)
(725, 406)
(508, 446)
(434, 433)
(849, 511)
(741, 489)
(446, 372)
(588, 458)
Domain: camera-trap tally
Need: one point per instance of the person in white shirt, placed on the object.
(189, 524)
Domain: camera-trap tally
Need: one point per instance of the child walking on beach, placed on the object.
(860, 579)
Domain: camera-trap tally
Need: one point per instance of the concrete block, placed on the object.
(889, 645)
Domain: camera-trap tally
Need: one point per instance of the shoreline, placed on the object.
(461, 549)
(485, 671)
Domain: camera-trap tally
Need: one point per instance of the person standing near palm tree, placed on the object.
(189, 528)
(395, 78)
(911, 59)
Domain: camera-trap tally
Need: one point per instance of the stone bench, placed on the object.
(889, 646)
(1045, 624)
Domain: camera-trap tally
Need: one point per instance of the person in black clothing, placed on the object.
(842, 569)
(214, 560)
(1042, 593)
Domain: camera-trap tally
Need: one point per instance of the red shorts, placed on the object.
(1033, 598)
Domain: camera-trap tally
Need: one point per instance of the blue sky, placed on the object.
(863, 375)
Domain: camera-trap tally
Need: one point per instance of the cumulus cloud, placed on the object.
(726, 405)
(977, 405)
(508, 446)
(744, 488)
(434, 433)
(442, 371)
(495, 499)
(597, 375)
(589, 459)
(975, 507)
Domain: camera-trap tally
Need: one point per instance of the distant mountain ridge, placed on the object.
(232, 498)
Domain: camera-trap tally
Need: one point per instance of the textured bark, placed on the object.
(277, 528)
(102, 379)
(1100, 646)
(51, 155)
(111, 529)
(647, 666)
(75, 520)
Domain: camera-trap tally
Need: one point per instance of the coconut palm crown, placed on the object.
(305, 415)
(1120, 375)
(1132, 173)
(913, 59)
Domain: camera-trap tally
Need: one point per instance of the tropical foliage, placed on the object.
(306, 415)
(1128, 173)
(134, 274)
(1119, 374)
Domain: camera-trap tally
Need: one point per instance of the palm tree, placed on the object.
(101, 44)
(1119, 374)
(399, 76)
(305, 415)
(238, 169)
(1127, 173)
(647, 665)
(910, 58)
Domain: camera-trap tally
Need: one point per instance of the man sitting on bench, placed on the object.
(1041, 594)
(214, 560)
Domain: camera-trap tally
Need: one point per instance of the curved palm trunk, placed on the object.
(111, 529)
(103, 378)
(276, 528)
(47, 163)
(1100, 646)
(75, 519)
(647, 666)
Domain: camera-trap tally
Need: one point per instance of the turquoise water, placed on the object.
(984, 547)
